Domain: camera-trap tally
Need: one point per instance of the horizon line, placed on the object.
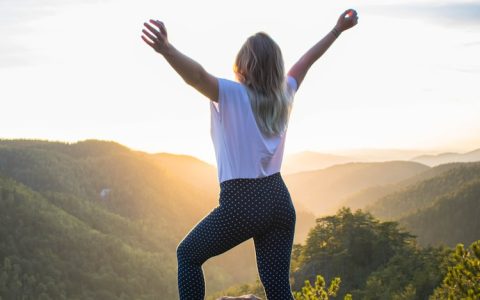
(331, 151)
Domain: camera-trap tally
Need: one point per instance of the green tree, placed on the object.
(349, 245)
(318, 292)
(409, 293)
(463, 277)
(410, 274)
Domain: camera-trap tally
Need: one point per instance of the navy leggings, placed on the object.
(248, 207)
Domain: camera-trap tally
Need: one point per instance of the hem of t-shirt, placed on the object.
(250, 178)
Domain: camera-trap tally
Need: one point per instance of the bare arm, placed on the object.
(191, 71)
(347, 20)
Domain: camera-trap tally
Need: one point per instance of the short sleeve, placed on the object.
(292, 84)
(229, 93)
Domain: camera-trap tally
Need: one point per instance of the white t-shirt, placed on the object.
(241, 149)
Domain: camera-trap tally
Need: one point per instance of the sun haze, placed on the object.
(405, 77)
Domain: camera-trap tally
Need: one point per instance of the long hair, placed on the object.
(259, 66)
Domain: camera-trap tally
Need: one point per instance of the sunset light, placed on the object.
(254, 150)
(404, 79)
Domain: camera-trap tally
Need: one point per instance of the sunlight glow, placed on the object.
(76, 70)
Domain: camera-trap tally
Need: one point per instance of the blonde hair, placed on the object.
(259, 66)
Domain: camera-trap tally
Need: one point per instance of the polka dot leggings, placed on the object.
(248, 207)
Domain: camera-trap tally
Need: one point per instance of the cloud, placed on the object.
(14, 55)
(446, 13)
(472, 44)
(16, 18)
(463, 13)
(467, 69)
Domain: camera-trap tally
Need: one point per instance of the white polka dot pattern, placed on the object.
(248, 207)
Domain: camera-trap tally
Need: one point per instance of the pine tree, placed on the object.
(318, 292)
(463, 278)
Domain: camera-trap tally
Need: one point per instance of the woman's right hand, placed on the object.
(347, 20)
(157, 38)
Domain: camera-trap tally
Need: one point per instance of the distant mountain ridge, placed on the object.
(312, 160)
(322, 191)
(440, 209)
(424, 193)
(370, 195)
(452, 219)
(309, 161)
(448, 157)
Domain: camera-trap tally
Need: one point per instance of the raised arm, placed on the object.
(191, 71)
(347, 20)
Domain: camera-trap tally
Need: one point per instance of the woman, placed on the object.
(249, 121)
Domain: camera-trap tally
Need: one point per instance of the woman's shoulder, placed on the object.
(230, 88)
(228, 83)
(232, 96)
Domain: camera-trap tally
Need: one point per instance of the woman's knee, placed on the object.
(184, 252)
(188, 252)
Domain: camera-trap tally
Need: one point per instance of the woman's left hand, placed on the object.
(157, 39)
(347, 20)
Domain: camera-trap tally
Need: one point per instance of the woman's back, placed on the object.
(242, 150)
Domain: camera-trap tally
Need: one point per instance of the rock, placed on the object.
(244, 297)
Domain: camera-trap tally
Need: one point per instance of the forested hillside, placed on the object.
(138, 187)
(453, 218)
(425, 193)
(370, 195)
(146, 201)
(405, 253)
(322, 191)
(48, 253)
(120, 196)
(97, 220)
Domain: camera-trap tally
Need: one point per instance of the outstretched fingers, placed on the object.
(150, 43)
(155, 35)
(154, 31)
(150, 36)
(160, 26)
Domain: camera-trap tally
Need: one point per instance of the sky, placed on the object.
(406, 77)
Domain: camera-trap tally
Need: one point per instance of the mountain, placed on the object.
(55, 246)
(370, 195)
(199, 174)
(90, 179)
(379, 154)
(139, 185)
(442, 158)
(309, 161)
(453, 218)
(146, 201)
(322, 191)
(442, 209)
(425, 193)
(97, 220)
